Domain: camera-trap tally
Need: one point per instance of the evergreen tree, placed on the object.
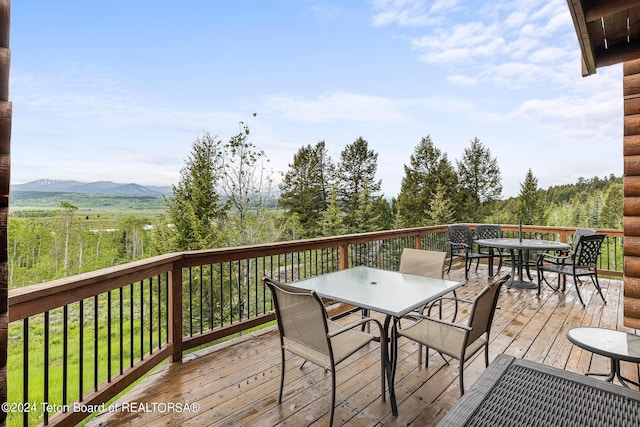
(440, 208)
(305, 187)
(195, 208)
(429, 170)
(332, 219)
(479, 180)
(530, 208)
(366, 217)
(356, 171)
(611, 215)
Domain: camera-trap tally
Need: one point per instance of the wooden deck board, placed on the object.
(236, 383)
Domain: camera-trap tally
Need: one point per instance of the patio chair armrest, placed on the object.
(439, 301)
(556, 259)
(355, 324)
(458, 245)
(444, 322)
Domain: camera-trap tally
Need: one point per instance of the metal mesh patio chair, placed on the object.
(459, 340)
(461, 245)
(490, 231)
(306, 331)
(583, 261)
(424, 263)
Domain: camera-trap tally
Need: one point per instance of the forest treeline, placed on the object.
(225, 197)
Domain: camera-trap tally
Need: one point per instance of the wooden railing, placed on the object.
(78, 342)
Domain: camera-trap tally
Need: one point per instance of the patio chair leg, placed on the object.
(282, 369)
(333, 395)
(461, 378)
(575, 282)
(595, 282)
(486, 355)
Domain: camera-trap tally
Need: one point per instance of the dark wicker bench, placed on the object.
(517, 392)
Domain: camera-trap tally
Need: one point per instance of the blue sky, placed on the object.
(119, 90)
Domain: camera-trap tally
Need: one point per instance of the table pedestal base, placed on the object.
(615, 373)
(521, 284)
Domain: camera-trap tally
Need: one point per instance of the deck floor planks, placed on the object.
(238, 382)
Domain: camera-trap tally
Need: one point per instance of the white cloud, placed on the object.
(464, 81)
(406, 13)
(337, 106)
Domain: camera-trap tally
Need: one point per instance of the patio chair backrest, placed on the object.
(422, 262)
(576, 236)
(588, 250)
(484, 307)
(460, 234)
(488, 231)
(301, 316)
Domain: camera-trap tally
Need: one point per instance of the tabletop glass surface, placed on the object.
(388, 292)
(529, 244)
(607, 342)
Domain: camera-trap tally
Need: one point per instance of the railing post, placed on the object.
(344, 256)
(175, 310)
(563, 236)
(418, 241)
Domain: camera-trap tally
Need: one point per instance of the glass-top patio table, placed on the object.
(522, 246)
(391, 293)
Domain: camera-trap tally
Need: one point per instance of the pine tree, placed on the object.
(195, 208)
(440, 209)
(530, 208)
(429, 169)
(305, 187)
(332, 219)
(356, 171)
(366, 217)
(480, 181)
(611, 215)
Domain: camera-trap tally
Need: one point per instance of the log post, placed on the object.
(631, 177)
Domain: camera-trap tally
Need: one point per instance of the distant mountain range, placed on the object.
(99, 187)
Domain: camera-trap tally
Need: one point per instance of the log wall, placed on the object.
(631, 151)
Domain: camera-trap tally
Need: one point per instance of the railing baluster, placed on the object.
(211, 302)
(220, 282)
(46, 366)
(95, 343)
(150, 315)
(131, 323)
(25, 369)
(141, 319)
(201, 298)
(81, 351)
(121, 325)
(159, 311)
(190, 302)
(65, 353)
(109, 336)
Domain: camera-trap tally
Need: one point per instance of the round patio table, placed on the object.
(517, 248)
(614, 344)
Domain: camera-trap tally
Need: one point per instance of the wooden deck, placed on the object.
(237, 383)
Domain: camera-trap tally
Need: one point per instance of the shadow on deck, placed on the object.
(236, 383)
